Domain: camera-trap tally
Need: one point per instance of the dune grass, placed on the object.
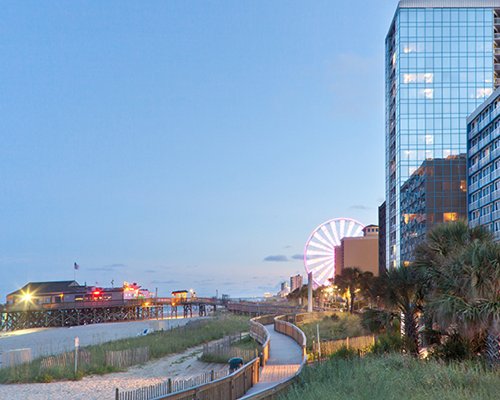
(337, 326)
(246, 348)
(395, 377)
(160, 344)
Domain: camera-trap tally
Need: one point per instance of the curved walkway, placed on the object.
(285, 356)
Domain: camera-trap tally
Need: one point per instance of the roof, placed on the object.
(491, 99)
(448, 3)
(371, 226)
(48, 287)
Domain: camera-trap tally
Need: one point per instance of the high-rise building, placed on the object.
(483, 133)
(295, 282)
(433, 194)
(440, 61)
(381, 239)
(359, 252)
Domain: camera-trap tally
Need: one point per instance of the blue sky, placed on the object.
(181, 144)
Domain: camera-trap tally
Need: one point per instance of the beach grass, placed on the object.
(394, 377)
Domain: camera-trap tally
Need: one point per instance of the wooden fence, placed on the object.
(65, 360)
(282, 325)
(259, 332)
(170, 386)
(328, 347)
(213, 386)
(128, 357)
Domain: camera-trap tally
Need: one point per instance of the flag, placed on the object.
(76, 266)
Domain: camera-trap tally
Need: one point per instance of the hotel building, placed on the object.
(440, 64)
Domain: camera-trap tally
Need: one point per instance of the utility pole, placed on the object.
(310, 292)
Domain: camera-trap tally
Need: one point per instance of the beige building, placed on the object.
(359, 252)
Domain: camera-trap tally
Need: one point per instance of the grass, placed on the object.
(160, 344)
(245, 348)
(395, 377)
(334, 327)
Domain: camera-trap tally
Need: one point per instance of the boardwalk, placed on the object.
(284, 360)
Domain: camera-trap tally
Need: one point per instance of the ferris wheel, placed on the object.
(319, 252)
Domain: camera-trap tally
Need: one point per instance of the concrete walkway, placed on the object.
(285, 357)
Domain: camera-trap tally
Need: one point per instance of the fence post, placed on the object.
(117, 394)
(169, 385)
(212, 375)
(347, 342)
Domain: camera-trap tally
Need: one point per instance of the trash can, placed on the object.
(235, 363)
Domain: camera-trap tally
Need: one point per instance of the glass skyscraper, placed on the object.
(440, 65)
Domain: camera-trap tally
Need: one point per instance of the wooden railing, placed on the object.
(260, 333)
(231, 387)
(282, 325)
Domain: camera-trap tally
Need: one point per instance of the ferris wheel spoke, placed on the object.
(319, 260)
(349, 228)
(317, 236)
(327, 271)
(342, 228)
(358, 231)
(325, 231)
(320, 246)
(313, 252)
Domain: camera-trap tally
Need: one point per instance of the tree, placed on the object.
(401, 289)
(352, 281)
(460, 268)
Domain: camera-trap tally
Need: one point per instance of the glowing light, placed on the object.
(27, 297)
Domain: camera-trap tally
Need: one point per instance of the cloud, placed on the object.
(359, 207)
(298, 257)
(150, 271)
(278, 258)
(109, 268)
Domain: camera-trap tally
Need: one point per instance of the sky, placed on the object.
(185, 144)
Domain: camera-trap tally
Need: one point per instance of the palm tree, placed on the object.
(401, 289)
(460, 267)
(352, 281)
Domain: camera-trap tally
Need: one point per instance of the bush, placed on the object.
(345, 353)
(378, 321)
(455, 347)
(388, 343)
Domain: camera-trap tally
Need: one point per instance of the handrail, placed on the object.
(245, 377)
(237, 384)
(260, 333)
(293, 331)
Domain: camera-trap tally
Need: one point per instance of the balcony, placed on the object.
(473, 150)
(474, 205)
(473, 169)
(484, 161)
(495, 175)
(495, 153)
(495, 216)
(473, 187)
(495, 195)
(485, 219)
(484, 181)
(485, 200)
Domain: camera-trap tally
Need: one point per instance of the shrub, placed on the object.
(455, 347)
(345, 353)
(388, 343)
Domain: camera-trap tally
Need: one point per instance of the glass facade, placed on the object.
(483, 149)
(439, 68)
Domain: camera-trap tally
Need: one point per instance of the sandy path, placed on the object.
(103, 387)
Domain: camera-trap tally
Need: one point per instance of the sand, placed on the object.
(183, 365)
(48, 341)
(57, 340)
